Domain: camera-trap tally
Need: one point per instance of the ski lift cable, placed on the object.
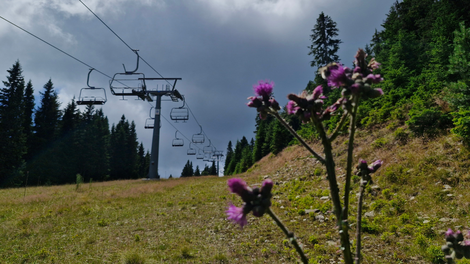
(191, 111)
(179, 131)
(133, 50)
(75, 58)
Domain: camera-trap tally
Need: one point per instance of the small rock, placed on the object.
(444, 219)
(324, 198)
(426, 221)
(446, 186)
(370, 214)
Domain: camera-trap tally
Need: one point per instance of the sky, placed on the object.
(220, 49)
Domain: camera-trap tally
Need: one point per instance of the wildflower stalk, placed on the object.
(334, 192)
(339, 126)
(352, 131)
(301, 140)
(359, 221)
(289, 235)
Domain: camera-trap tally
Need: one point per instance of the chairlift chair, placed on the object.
(200, 154)
(133, 84)
(198, 138)
(177, 142)
(150, 122)
(191, 151)
(179, 113)
(208, 149)
(91, 95)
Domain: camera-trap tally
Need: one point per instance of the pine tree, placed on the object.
(324, 45)
(12, 137)
(46, 120)
(187, 170)
(197, 172)
(28, 117)
(213, 169)
(228, 158)
(123, 150)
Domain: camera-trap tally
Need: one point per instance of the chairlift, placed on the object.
(191, 151)
(208, 149)
(91, 95)
(199, 137)
(177, 142)
(133, 84)
(150, 122)
(179, 113)
(200, 154)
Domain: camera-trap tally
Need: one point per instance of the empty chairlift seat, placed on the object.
(177, 142)
(191, 151)
(198, 138)
(179, 113)
(91, 95)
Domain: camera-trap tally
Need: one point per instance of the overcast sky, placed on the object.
(220, 49)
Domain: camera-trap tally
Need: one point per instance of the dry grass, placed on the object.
(419, 192)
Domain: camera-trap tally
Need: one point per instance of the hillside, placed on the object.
(417, 195)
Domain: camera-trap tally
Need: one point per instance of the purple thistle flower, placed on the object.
(374, 93)
(362, 165)
(373, 78)
(337, 76)
(449, 233)
(238, 186)
(292, 107)
(255, 102)
(317, 92)
(236, 215)
(267, 187)
(264, 88)
(373, 64)
(375, 166)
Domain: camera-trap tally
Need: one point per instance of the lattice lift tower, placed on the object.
(132, 83)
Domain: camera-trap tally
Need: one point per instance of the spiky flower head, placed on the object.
(256, 200)
(263, 101)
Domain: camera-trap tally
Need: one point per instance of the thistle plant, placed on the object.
(456, 246)
(356, 84)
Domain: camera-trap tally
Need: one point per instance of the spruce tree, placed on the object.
(46, 120)
(228, 158)
(12, 137)
(28, 117)
(197, 172)
(324, 46)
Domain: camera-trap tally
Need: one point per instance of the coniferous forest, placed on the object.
(424, 51)
(43, 145)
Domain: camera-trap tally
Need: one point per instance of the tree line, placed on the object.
(189, 171)
(424, 50)
(45, 145)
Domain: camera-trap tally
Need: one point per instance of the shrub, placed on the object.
(429, 122)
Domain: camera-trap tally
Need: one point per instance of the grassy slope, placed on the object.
(419, 193)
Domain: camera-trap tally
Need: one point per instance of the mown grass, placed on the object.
(421, 190)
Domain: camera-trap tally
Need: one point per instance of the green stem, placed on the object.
(338, 127)
(301, 140)
(359, 222)
(352, 131)
(334, 192)
(289, 235)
